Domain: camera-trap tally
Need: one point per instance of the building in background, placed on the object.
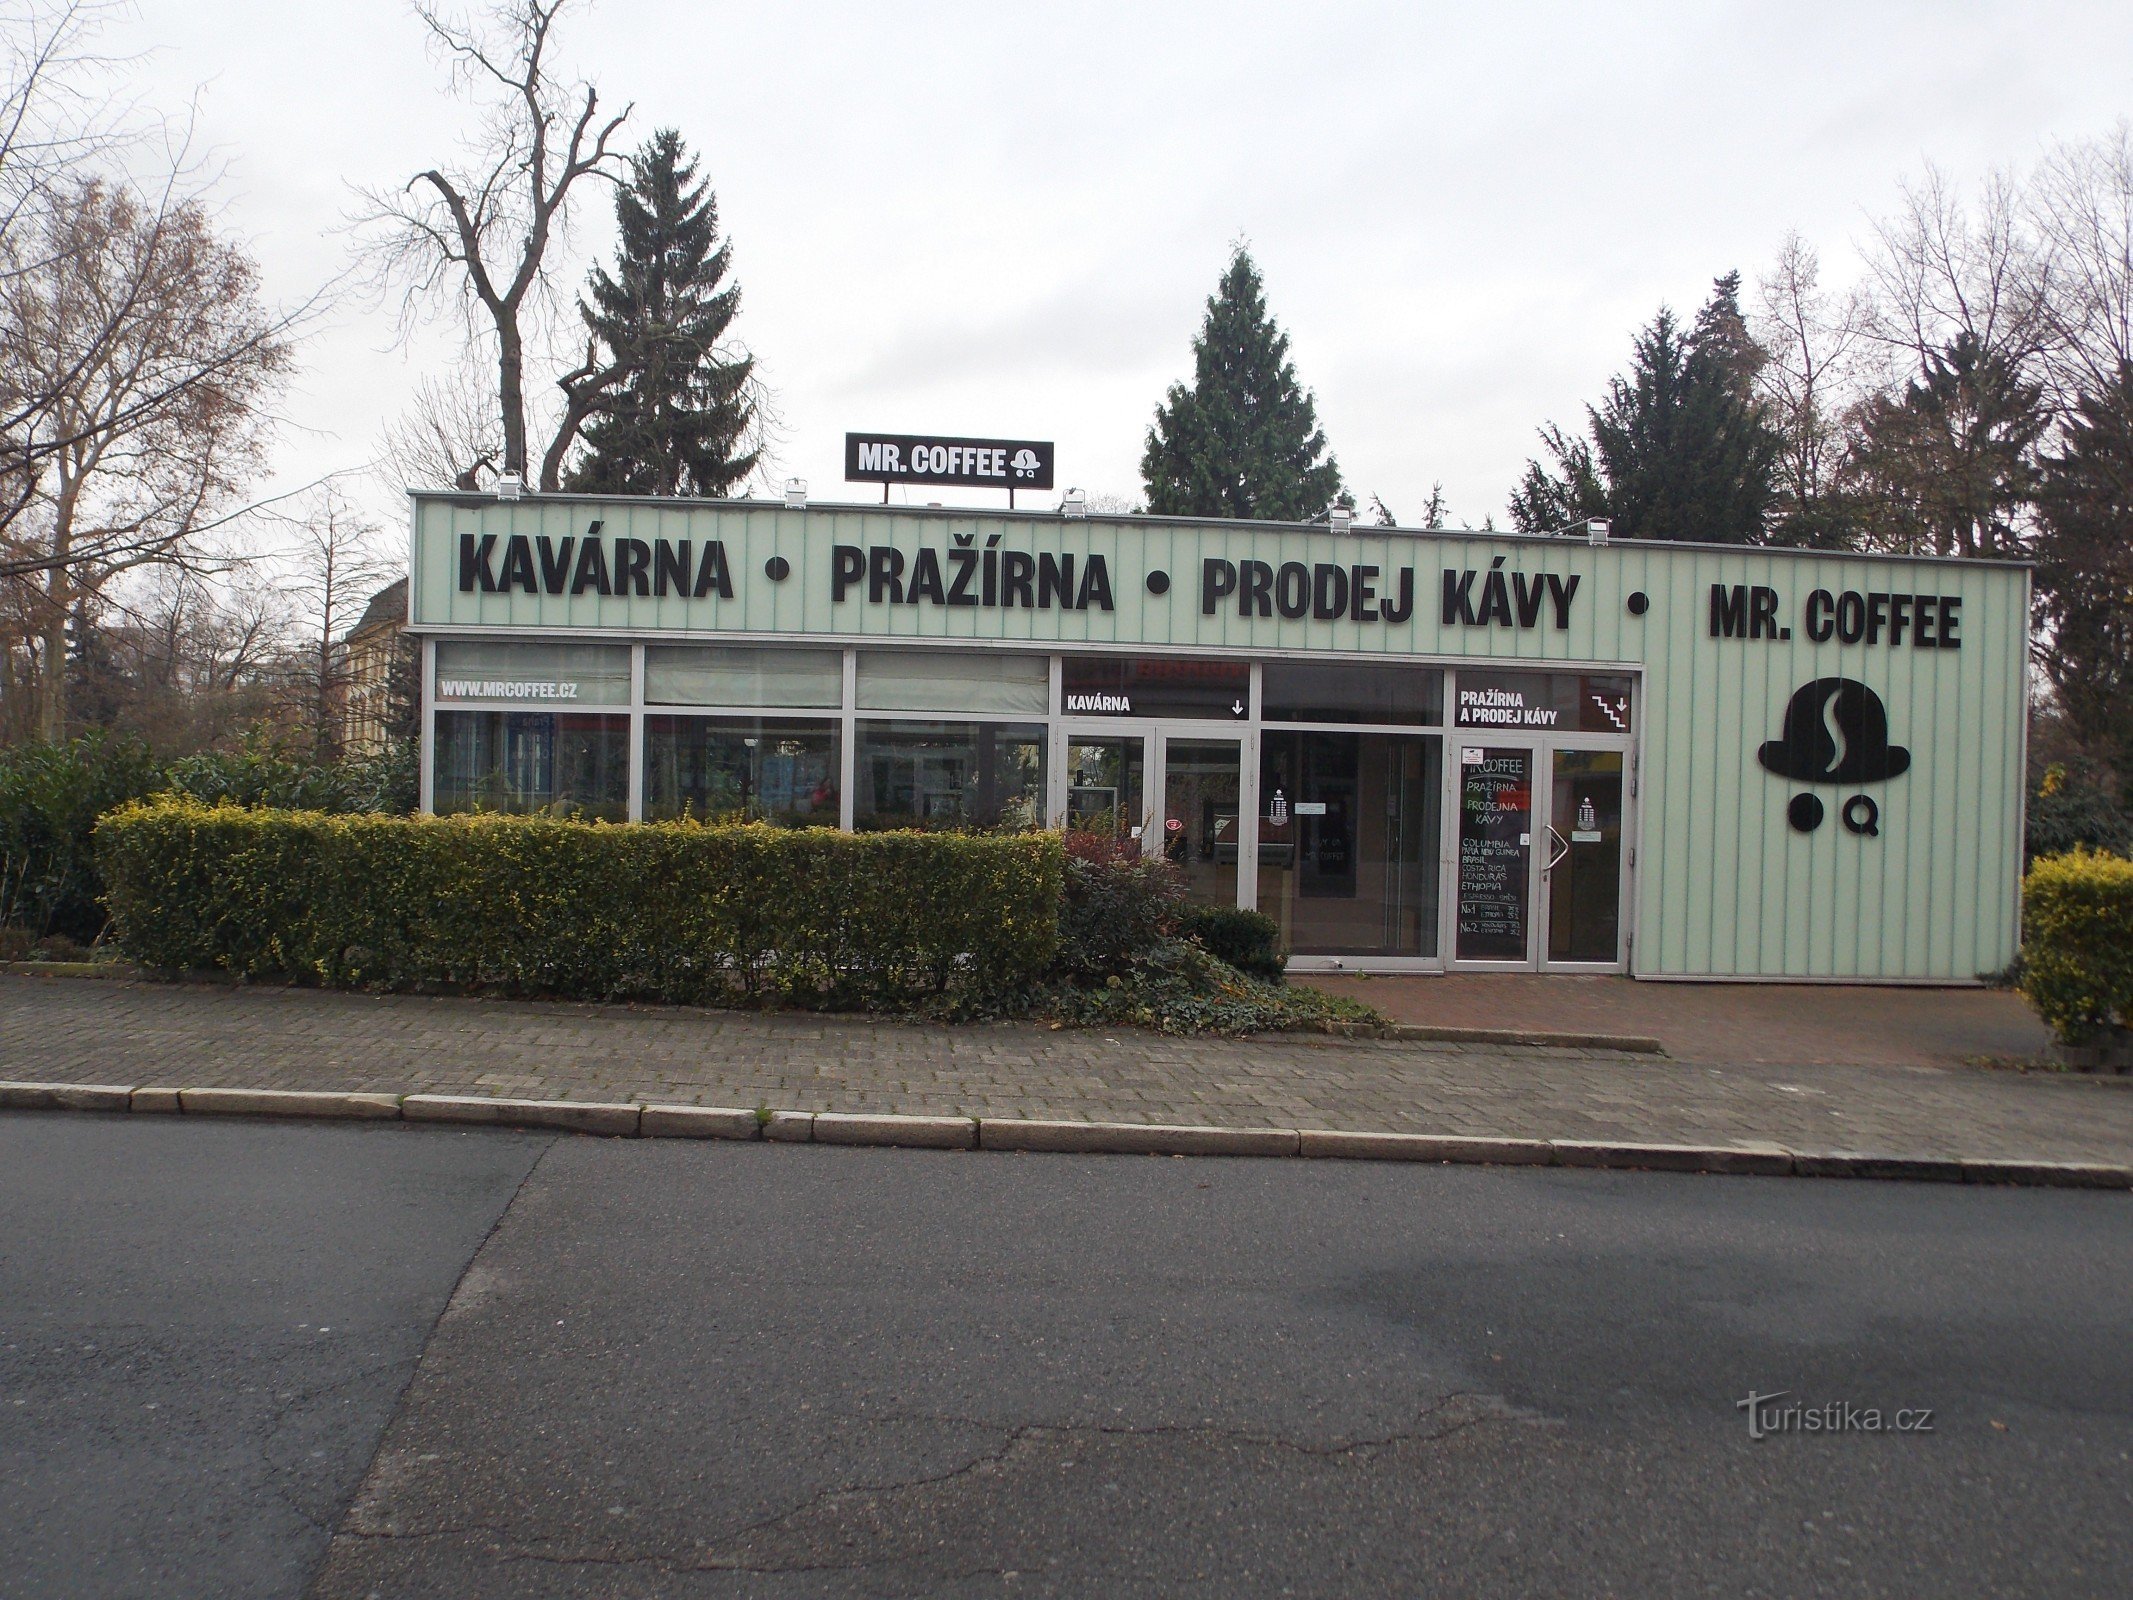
(378, 663)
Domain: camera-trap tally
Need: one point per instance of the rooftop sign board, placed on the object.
(948, 463)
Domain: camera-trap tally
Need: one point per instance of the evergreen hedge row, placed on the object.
(678, 912)
(2077, 943)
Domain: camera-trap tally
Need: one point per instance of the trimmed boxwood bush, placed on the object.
(678, 912)
(1250, 941)
(2077, 943)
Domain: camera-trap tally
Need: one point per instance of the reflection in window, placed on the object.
(707, 768)
(533, 761)
(1348, 830)
(949, 775)
(742, 675)
(941, 680)
(495, 669)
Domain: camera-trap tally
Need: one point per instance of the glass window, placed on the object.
(1569, 702)
(923, 680)
(1155, 686)
(949, 775)
(1105, 779)
(527, 761)
(1348, 841)
(1345, 691)
(488, 669)
(715, 675)
(705, 767)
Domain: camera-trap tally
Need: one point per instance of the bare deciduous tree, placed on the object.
(332, 569)
(2080, 205)
(448, 437)
(1818, 361)
(480, 232)
(137, 343)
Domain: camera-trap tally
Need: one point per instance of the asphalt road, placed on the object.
(674, 1369)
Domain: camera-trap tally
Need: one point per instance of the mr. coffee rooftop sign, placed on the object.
(947, 463)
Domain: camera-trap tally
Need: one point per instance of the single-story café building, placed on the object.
(1418, 751)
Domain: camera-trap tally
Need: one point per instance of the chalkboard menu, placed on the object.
(1495, 853)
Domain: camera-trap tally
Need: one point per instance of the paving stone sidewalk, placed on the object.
(199, 1036)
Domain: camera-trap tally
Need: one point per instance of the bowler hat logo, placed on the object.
(1836, 731)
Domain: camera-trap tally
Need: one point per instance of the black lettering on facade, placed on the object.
(1529, 599)
(518, 566)
(1363, 594)
(963, 565)
(1562, 591)
(1055, 580)
(1095, 585)
(1218, 580)
(1292, 589)
(1016, 569)
(474, 563)
(848, 564)
(1329, 591)
(925, 578)
(633, 567)
(885, 575)
(712, 577)
(1255, 589)
(1403, 608)
(555, 559)
(592, 569)
(670, 566)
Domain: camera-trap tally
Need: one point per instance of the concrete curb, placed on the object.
(572, 1116)
(922, 1133)
(1424, 1147)
(1081, 1138)
(699, 1122)
(65, 1097)
(285, 1103)
(1134, 1138)
(1638, 1043)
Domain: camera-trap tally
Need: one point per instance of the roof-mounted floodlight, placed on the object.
(1340, 518)
(1596, 530)
(1075, 504)
(796, 494)
(509, 486)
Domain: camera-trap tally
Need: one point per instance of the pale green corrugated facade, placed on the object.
(1724, 887)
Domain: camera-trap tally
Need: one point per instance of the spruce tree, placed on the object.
(1243, 440)
(1679, 449)
(1948, 467)
(2084, 552)
(677, 418)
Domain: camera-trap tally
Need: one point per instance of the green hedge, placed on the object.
(678, 912)
(2077, 943)
(1250, 941)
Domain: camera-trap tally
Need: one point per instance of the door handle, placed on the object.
(1562, 849)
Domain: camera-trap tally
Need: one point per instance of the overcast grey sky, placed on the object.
(992, 219)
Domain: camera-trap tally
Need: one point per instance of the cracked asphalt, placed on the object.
(348, 1361)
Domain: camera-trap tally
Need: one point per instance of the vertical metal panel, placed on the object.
(1725, 885)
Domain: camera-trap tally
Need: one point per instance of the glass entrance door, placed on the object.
(1492, 880)
(1538, 878)
(1203, 830)
(1583, 869)
(1106, 789)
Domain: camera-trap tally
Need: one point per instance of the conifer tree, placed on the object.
(1680, 448)
(1243, 440)
(677, 417)
(2084, 551)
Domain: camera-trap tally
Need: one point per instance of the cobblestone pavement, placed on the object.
(86, 1031)
(1725, 1024)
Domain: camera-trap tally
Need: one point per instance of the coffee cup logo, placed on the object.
(1836, 732)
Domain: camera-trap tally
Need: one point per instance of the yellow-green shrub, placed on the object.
(2077, 942)
(678, 912)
